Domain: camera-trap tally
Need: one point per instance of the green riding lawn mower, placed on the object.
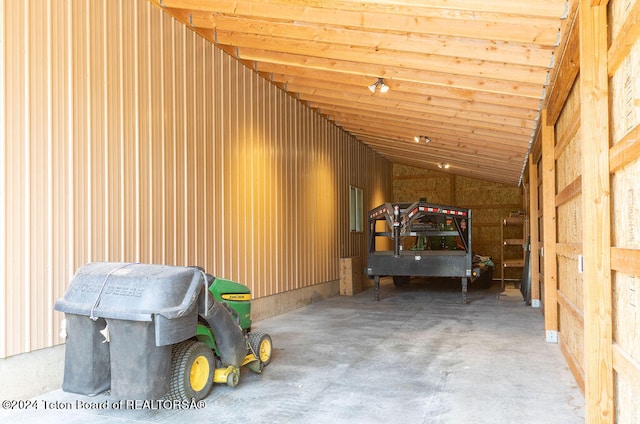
(146, 331)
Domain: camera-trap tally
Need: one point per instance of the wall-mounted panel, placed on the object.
(569, 233)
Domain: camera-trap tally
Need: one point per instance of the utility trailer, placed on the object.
(429, 240)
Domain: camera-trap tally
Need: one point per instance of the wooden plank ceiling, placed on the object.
(471, 75)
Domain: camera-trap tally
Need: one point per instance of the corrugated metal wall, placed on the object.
(124, 136)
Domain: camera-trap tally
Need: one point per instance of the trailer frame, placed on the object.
(424, 221)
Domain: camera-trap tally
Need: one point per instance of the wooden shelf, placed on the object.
(513, 263)
(513, 220)
(507, 259)
(512, 242)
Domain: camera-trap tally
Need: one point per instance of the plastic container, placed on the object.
(147, 308)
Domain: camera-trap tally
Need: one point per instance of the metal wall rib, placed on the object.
(125, 136)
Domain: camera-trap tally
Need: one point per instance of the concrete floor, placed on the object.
(417, 356)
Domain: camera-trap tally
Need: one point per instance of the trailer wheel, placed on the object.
(261, 346)
(192, 367)
(401, 280)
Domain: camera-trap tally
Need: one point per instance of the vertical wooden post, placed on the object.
(549, 229)
(534, 245)
(596, 213)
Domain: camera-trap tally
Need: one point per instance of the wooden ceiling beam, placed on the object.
(471, 170)
(395, 129)
(453, 67)
(489, 171)
(468, 147)
(454, 134)
(454, 141)
(431, 128)
(438, 154)
(414, 104)
(424, 113)
(480, 149)
(408, 102)
(450, 142)
(470, 74)
(441, 121)
(539, 8)
(444, 79)
(458, 158)
(473, 24)
(432, 94)
(491, 50)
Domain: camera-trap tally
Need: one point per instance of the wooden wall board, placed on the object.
(570, 280)
(474, 183)
(572, 336)
(624, 21)
(493, 196)
(485, 232)
(404, 195)
(427, 187)
(571, 308)
(568, 211)
(570, 221)
(619, 11)
(468, 192)
(568, 117)
(568, 170)
(626, 298)
(574, 365)
(490, 215)
(625, 229)
(625, 260)
(570, 191)
(566, 135)
(626, 150)
(625, 95)
(410, 184)
(625, 364)
(625, 190)
(627, 395)
(568, 166)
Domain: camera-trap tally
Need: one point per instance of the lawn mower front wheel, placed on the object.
(262, 347)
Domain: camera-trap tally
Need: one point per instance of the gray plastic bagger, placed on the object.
(122, 319)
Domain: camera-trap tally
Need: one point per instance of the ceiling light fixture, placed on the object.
(443, 165)
(380, 83)
(422, 138)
